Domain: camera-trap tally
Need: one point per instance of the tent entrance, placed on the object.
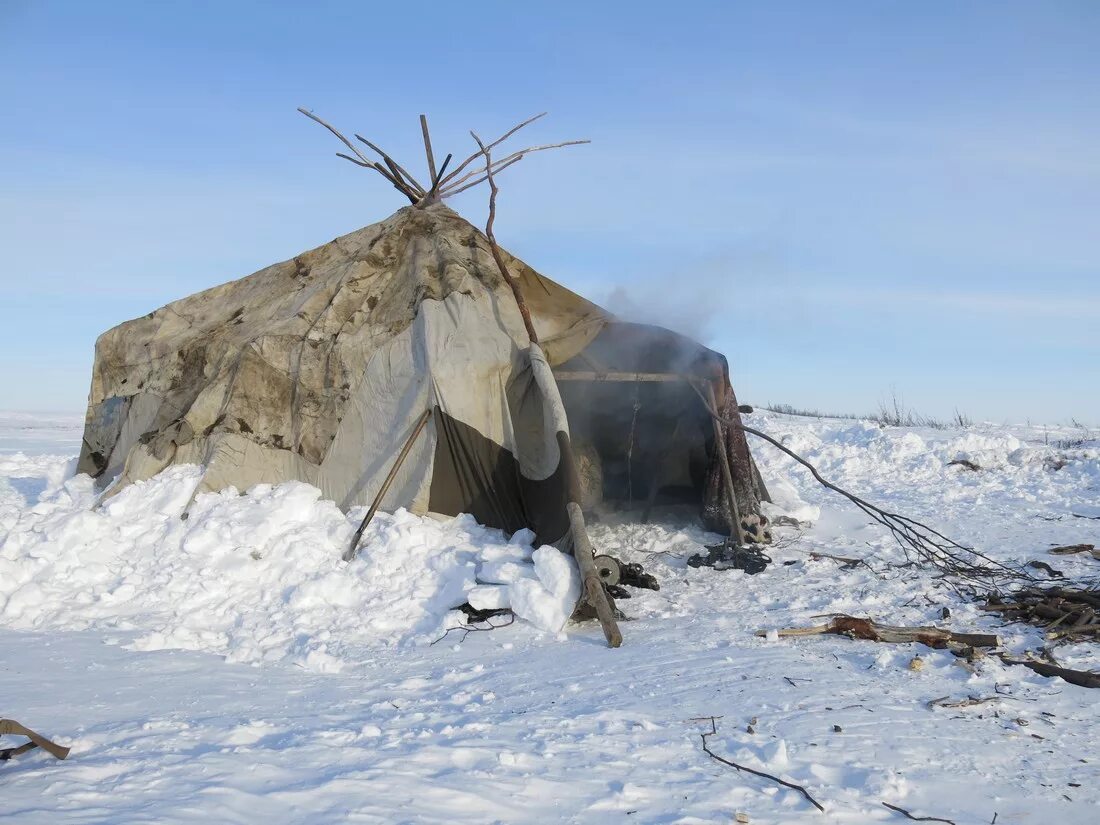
(640, 439)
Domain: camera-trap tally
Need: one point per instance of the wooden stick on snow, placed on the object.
(858, 628)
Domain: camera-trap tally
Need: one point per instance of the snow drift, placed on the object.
(258, 577)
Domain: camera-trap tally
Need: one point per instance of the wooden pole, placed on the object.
(353, 550)
(428, 150)
(727, 476)
(594, 592)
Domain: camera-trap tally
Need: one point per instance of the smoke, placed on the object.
(687, 308)
(704, 298)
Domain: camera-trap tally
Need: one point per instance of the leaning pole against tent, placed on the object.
(594, 592)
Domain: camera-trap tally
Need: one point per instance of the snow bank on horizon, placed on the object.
(255, 577)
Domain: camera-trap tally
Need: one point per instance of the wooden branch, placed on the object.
(395, 171)
(360, 159)
(442, 169)
(481, 180)
(356, 161)
(492, 145)
(1081, 678)
(857, 628)
(336, 132)
(524, 312)
(846, 561)
(753, 771)
(428, 150)
(968, 702)
(1070, 549)
(403, 172)
(442, 185)
(396, 185)
(353, 550)
(433, 192)
(516, 156)
(496, 165)
(478, 627)
(918, 818)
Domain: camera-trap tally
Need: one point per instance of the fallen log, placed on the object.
(1071, 549)
(857, 628)
(1081, 678)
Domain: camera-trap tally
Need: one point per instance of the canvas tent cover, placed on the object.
(319, 367)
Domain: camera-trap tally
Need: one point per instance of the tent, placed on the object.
(328, 368)
(321, 367)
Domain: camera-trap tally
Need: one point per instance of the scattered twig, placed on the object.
(968, 702)
(845, 561)
(753, 771)
(918, 818)
(481, 627)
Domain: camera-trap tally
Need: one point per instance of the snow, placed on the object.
(230, 667)
(257, 577)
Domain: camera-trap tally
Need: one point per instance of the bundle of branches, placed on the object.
(975, 571)
(442, 185)
(1066, 614)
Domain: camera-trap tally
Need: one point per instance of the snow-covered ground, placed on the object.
(228, 667)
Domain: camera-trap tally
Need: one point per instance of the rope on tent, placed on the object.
(918, 541)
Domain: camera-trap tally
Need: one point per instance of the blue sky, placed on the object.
(847, 199)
